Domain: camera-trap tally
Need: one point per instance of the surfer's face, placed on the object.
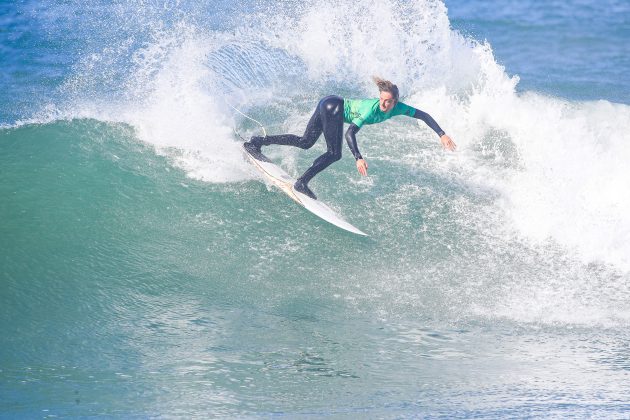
(386, 101)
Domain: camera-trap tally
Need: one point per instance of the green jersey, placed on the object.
(368, 111)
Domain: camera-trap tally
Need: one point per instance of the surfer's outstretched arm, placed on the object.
(428, 120)
(351, 139)
(447, 142)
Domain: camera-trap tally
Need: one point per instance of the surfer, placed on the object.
(330, 114)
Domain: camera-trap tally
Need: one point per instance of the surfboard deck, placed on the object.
(278, 177)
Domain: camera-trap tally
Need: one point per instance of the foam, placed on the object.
(180, 113)
(555, 170)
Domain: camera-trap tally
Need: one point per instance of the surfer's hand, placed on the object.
(448, 143)
(362, 166)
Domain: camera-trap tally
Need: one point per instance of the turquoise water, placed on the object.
(147, 271)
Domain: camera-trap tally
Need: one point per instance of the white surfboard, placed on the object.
(283, 180)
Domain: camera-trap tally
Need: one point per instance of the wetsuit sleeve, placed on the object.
(404, 109)
(428, 120)
(352, 140)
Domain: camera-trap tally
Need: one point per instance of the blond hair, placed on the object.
(386, 86)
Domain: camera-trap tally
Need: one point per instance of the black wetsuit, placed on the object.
(327, 119)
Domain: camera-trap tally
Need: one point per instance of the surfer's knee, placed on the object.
(306, 143)
(334, 156)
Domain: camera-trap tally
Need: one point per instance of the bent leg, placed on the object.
(331, 111)
(319, 165)
(308, 139)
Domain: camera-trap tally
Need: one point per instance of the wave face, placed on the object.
(142, 253)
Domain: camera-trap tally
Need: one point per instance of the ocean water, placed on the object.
(146, 270)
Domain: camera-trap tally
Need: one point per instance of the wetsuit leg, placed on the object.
(308, 139)
(331, 114)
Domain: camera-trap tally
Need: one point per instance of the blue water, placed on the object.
(146, 270)
(572, 49)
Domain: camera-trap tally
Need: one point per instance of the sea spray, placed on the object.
(534, 166)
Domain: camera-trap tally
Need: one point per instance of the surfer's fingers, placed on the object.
(362, 167)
